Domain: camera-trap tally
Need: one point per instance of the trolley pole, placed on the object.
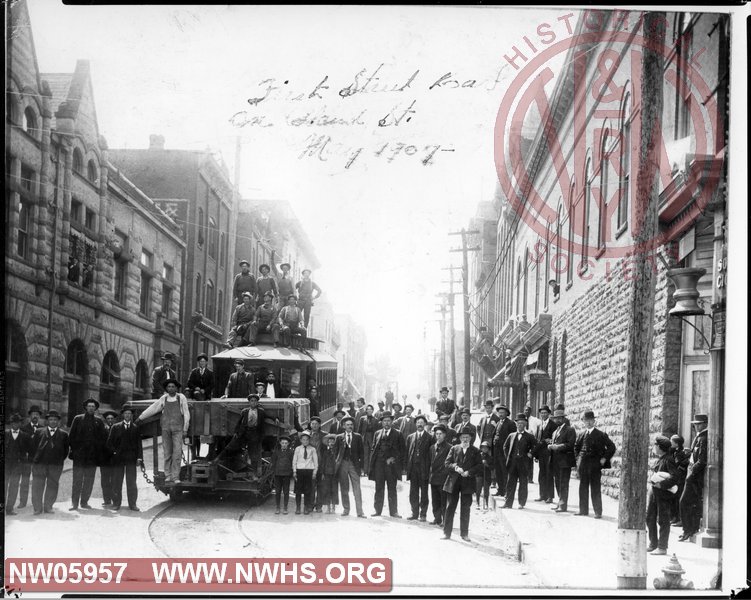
(465, 292)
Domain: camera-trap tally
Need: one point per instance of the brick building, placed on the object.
(194, 188)
(563, 295)
(92, 263)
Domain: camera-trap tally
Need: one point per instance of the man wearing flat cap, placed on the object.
(30, 428)
(17, 448)
(465, 415)
(127, 453)
(662, 486)
(386, 465)
(240, 383)
(593, 449)
(308, 291)
(200, 384)
(418, 468)
(106, 469)
(562, 458)
(162, 374)
(693, 489)
(349, 457)
(87, 440)
(49, 449)
(463, 463)
(175, 420)
(438, 472)
(517, 450)
(244, 282)
(265, 283)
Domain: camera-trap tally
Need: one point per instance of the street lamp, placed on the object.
(686, 296)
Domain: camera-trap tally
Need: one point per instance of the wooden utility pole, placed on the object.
(631, 568)
(450, 295)
(442, 309)
(465, 292)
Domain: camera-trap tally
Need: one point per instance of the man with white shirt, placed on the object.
(201, 380)
(593, 449)
(463, 463)
(304, 470)
(418, 469)
(518, 449)
(124, 443)
(406, 423)
(349, 456)
(542, 455)
(49, 449)
(17, 447)
(533, 425)
(562, 457)
(35, 414)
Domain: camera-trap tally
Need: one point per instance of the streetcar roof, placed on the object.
(271, 354)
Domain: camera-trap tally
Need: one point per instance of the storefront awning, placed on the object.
(532, 359)
(511, 373)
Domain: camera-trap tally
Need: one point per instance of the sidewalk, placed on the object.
(567, 551)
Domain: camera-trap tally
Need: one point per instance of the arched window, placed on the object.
(571, 220)
(210, 299)
(200, 227)
(525, 305)
(625, 163)
(77, 161)
(142, 385)
(602, 205)
(222, 249)
(30, 122)
(16, 360)
(518, 285)
(558, 242)
(74, 378)
(585, 212)
(220, 309)
(212, 237)
(197, 307)
(109, 380)
(93, 172)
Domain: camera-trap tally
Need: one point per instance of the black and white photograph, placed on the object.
(386, 300)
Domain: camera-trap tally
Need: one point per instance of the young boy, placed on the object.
(329, 482)
(281, 462)
(485, 477)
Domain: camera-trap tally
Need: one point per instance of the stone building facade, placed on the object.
(563, 285)
(195, 189)
(93, 265)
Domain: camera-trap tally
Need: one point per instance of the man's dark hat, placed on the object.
(439, 427)
(444, 389)
(94, 400)
(175, 381)
(52, 413)
(253, 396)
(239, 361)
(588, 414)
(202, 355)
(385, 415)
(423, 417)
(107, 413)
(261, 267)
(662, 442)
(315, 418)
(406, 406)
(259, 382)
(123, 409)
(289, 266)
(283, 437)
(520, 417)
(465, 430)
(269, 294)
(168, 356)
(560, 406)
(700, 419)
(559, 412)
(466, 411)
(396, 404)
(345, 419)
(244, 262)
(544, 407)
(504, 407)
(291, 296)
(489, 403)
(16, 418)
(306, 271)
(338, 410)
(34, 408)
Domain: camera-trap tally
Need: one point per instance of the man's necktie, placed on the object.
(305, 453)
(348, 441)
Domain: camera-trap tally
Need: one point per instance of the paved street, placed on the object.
(208, 527)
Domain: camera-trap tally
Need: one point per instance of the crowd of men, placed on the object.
(447, 462)
(273, 305)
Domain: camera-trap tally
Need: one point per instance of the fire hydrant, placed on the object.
(672, 578)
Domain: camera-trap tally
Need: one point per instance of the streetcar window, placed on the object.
(290, 380)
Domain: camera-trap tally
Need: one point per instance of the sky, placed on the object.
(375, 123)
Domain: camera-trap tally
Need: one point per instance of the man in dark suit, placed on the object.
(518, 449)
(162, 374)
(465, 425)
(249, 433)
(49, 449)
(463, 463)
(201, 380)
(349, 455)
(124, 442)
(562, 458)
(406, 423)
(336, 426)
(445, 405)
(660, 497)
(418, 469)
(240, 383)
(17, 448)
(486, 428)
(693, 489)
(87, 440)
(367, 428)
(386, 465)
(106, 466)
(544, 434)
(504, 428)
(397, 413)
(593, 449)
(359, 410)
(35, 415)
(438, 472)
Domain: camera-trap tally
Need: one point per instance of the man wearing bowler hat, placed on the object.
(463, 463)
(517, 450)
(406, 423)
(562, 458)
(175, 419)
(438, 472)
(445, 405)
(349, 457)
(337, 426)
(30, 428)
(162, 374)
(386, 465)
(201, 380)
(125, 445)
(87, 438)
(49, 449)
(106, 469)
(542, 455)
(244, 282)
(306, 288)
(265, 283)
(593, 449)
(17, 448)
(367, 428)
(465, 415)
(418, 469)
(693, 489)
(503, 428)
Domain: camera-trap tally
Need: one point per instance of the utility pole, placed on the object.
(631, 566)
(450, 297)
(442, 309)
(465, 292)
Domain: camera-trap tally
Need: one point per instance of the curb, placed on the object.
(512, 533)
